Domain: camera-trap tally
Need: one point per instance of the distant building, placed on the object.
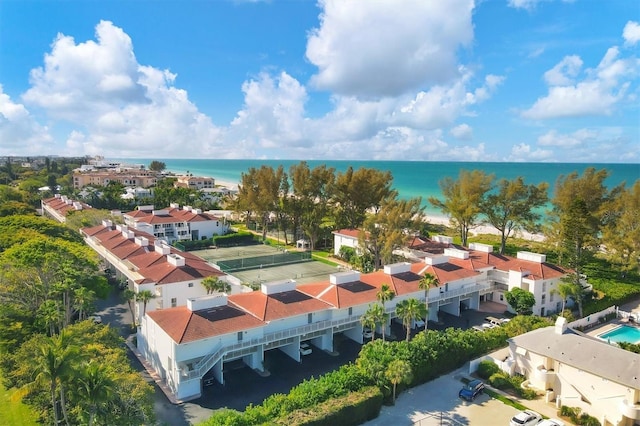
(102, 178)
(175, 223)
(194, 182)
(59, 206)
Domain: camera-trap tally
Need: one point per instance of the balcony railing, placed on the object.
(446, 295)
(209, 360)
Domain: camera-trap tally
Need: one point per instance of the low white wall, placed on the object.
(592, 319)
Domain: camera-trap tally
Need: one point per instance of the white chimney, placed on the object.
(187, 208)
(457, 253)
(207, 302)
(397, 268)
(435, 259)
(442, 239)
(128, 234)
(275, 287)
(142, 241)
(107, 223)
(161, 247)
(532, 257)
(174, 205)
(561, 325)
(77, 205)
(485, 248)
(344, 277)
(175, 259)
(197, 211)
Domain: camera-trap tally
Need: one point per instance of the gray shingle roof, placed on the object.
(585, 353)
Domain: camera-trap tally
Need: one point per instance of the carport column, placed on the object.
(217, 371)
(325, 342)
(255, 360)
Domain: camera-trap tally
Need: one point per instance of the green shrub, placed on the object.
(237, 239)
(500, 380)
(487, 368)
(578, 418)
(352, 409)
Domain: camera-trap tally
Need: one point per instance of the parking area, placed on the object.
(437, 403)
(244, 386)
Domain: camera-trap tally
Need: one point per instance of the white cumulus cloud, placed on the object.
(631, 33)
(382, 48)
(19, 129)
(120, 105)
(597, 92)
(462, 132)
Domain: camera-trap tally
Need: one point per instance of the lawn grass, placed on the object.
(15, 413)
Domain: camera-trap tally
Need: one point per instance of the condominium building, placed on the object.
(175, 223)
(59, 206)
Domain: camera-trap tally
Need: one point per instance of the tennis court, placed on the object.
(302, 271)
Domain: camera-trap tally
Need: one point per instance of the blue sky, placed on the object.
(455, 80)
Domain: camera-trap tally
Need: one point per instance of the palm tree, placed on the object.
(426, 282)
(409, 310)
(144, 296)
(130, 296)
(384, 295)
(398, 371)
(564, 290)
(214, 284)
(95, 387)
(50, 313)
(83, 299)
(53, 364)
(368, 320)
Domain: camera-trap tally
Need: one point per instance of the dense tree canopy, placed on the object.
(463, 199)
(514, 206)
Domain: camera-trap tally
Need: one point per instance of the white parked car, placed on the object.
(419, 323)
(367, 333)
(551, 422)
(97, 319)
(305, 349)
(525, 418)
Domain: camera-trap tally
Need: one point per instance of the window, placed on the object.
(551, 297)
(544, 299)
(239, 336)
(544, 287)
(174, 302)
(190, 285)
(309, 318)
(501, 297)
(350, 311)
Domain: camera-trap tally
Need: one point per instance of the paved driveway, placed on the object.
(437, 403)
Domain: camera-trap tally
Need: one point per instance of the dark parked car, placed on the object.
(471, 390)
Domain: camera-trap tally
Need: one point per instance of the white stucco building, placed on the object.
(175, 223)
(580, 371)
(146, 263)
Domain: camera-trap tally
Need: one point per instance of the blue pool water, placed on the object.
(624, 333)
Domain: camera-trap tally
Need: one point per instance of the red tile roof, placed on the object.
(353, 233)
(184, 326)
(280, 305)
(152, 265)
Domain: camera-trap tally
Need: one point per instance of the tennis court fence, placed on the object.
(256, 262)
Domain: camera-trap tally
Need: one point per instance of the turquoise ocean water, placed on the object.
(410, 178)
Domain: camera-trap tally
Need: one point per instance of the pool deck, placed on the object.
(633, 307)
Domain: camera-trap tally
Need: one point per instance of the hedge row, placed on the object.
(352, 409)
(237, 239)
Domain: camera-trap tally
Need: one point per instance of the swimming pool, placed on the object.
(624, 333)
